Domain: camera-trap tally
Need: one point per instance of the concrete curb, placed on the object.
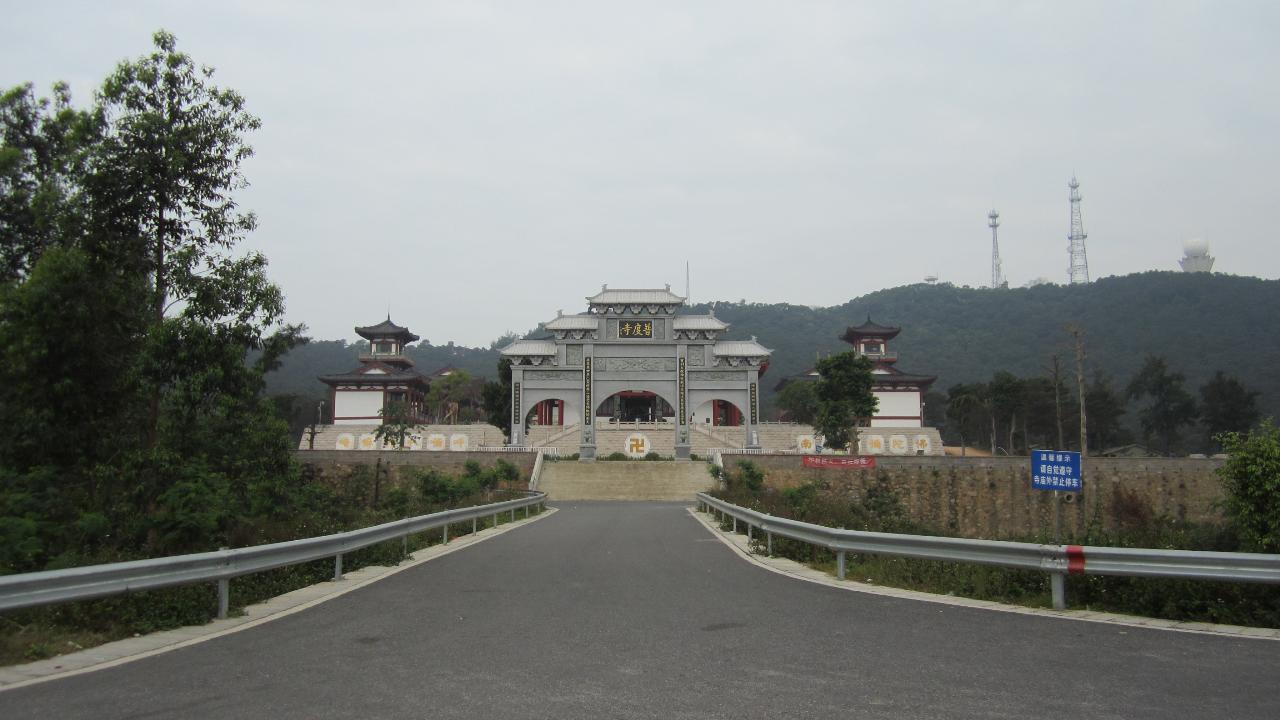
(123, 651)
(799, 571)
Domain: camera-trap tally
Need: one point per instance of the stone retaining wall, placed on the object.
(992, 497)
(330, 465)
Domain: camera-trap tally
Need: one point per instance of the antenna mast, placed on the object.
(993, 222)
(1079, 271)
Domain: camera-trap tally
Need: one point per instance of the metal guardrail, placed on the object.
(516, 449)
(1057, 560)
(96, 581)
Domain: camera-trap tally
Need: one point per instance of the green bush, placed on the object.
(1251, 483)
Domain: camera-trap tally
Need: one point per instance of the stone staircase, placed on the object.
(625, 480)
(781, 436)
(704, 438)
(565, 438)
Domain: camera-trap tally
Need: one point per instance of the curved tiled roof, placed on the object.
(870, 329)
(740, 348)
(386, 328)
(529, 347)
(573, 322)
(698, 322)
(389, 374)
(634, 296)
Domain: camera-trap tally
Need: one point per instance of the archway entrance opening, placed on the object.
(719, 413)
(635, 406)
(725, 414)
(546, 413)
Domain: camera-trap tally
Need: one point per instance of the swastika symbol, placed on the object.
(637, 445)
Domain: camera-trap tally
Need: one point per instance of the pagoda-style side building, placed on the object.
(385, 375)
(900, 394)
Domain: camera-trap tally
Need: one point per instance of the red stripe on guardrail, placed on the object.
(1075, 560)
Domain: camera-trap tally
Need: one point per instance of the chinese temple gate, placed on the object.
(633, 358)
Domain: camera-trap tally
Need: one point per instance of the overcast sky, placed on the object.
(476, 166)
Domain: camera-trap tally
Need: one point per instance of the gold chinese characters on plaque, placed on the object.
(635, 329)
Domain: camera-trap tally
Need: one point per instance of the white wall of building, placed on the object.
(362, 404)
(894, 407)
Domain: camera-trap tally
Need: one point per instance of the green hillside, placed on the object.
(1198, 322)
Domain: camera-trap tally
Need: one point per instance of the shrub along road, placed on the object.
(634, 610)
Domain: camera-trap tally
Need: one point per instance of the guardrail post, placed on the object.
(337, 567)
(770, 536)
(224, 597)
(495, 521)
(513, 514)
(840, 564)
(526, 512)
(749, 537)
(735, 524)
(1058, 581)
(473, 526)
(404, 545)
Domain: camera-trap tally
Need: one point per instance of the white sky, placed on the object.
(477, 166)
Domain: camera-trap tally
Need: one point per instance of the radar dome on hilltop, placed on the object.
(1195, 256)
(1195, 247)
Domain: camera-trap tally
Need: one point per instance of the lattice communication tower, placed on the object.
(997, 276)
(1079, 271)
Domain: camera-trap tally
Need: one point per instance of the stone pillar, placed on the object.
(682, 403)
(751, 418)
(587, 443)
(517, 405)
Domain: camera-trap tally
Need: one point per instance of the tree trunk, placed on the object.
(1057, 398)
(161, 293)
(1084, 431)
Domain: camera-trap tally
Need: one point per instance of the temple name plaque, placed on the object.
(635, 329)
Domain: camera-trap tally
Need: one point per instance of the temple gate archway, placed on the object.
(633, 353)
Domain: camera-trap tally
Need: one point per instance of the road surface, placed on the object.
(634, 610)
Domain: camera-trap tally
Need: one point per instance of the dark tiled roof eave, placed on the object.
(869, 329)
(904, 379)
(386, 328)
(395, 375)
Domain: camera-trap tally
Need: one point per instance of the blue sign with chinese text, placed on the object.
(1055, 470)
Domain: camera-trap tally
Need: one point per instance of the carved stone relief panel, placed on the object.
(636, 364)
(554, 375)
(573, 356)
(695, 356)
(715, 376)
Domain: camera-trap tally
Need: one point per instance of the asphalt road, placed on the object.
(634, 610)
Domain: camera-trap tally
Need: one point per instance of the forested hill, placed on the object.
(1197, 322)
(303, 364)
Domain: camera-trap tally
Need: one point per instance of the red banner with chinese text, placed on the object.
(862, 462)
